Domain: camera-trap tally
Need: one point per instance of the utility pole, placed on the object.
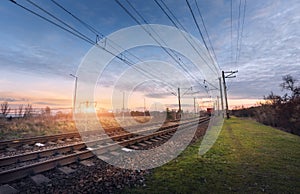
(221, 95)
(144, 107)
(230, 75)
(218, 105)
(179, 100)
(75, 91)
(195, 105)
(179, 103)
(123, 109)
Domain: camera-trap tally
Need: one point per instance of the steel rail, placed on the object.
(62, 160)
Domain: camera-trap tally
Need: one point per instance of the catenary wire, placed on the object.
(173, 22)
(199, 30)
(138, 22)
(238, 32)
(86, 39)
(96, 32)
(207, 34)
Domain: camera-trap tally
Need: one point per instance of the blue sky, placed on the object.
(37, 57)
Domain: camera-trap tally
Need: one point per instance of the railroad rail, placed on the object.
(15, 143)
(21, 165)
(38, 139)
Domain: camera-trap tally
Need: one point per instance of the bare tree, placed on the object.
(47, 111)
(20, 111)
(4, 109)
(28, 111)
(281, 111)
(289, 83)
(273, 99)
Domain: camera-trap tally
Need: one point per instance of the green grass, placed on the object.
(248, 157)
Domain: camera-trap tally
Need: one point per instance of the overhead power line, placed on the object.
(50, 21)
(155, 39)
(241, 37)
(238, 33)
(80, 35)
(213, 50)
(56, 18)
(161, 46)
(78, 19)
(240, 29)
(174, 23)
(231, 45)
(199, 30)
(97, 33)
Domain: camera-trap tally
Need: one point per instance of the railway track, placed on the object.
(14, 144)
(21, 165)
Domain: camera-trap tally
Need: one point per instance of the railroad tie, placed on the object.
(66, 170)
(39, 179)
(87, 163)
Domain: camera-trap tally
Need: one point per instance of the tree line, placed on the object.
(22, 111)
(27, 111)
(278, 111)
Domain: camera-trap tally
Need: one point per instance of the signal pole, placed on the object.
(230, 75)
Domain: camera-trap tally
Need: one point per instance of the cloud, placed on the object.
(37, 102)
(269, 50)
(35, 59)
(157, 95)
(10, 99)
(176, 105)
(270, 45)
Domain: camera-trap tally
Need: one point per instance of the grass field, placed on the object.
(247, 158)
(24, 128)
